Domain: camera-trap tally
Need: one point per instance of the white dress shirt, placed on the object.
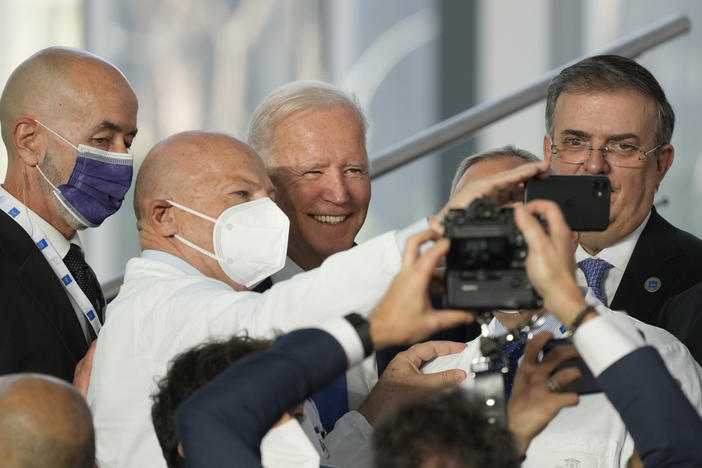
(60, 244)
(591, 434)
(617, 255)
(165, 307)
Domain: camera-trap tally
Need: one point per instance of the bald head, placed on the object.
(44, 422)
(55, 100)
(205, 172)
(183, 165)
(54, 84)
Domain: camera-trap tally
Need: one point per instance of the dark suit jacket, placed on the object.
(39, 330)
(666, 428)
(682, 316)
(667, 253)
(223, 423)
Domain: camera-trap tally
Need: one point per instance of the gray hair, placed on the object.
(505, 152)
(607, 73)
(294, 98)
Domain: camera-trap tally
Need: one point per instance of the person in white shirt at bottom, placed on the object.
(193, 191)
(590, 434)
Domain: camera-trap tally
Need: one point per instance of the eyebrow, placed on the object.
(250, 184)
(315, 166)
(581, 134)
(107, 125)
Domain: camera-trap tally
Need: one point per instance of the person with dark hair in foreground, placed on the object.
(187, 373)
(44, 422)
(446, 430)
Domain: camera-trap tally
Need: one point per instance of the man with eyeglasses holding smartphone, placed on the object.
(608, 115)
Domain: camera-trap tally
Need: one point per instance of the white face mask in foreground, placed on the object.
(287, 445)
(250, 240)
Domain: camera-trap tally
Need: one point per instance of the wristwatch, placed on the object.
(361, 326)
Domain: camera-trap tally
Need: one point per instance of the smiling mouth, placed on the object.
(329, 219)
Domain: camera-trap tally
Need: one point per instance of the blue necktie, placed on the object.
(332, 402)
(512, 351)
(595, 272)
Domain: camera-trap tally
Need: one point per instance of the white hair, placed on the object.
(294, 98)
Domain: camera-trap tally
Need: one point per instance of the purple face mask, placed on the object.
(97, 185)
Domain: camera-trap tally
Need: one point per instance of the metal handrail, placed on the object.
(461, 126)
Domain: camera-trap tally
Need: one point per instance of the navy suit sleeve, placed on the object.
(224, 422)
(682, 316)
(666, 429)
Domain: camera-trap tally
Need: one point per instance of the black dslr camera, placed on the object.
(485, 267)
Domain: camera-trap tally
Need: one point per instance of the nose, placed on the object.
(596, 163)
(335, 190)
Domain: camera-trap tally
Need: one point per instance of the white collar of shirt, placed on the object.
(619, 253)
(170, 259)
(53, 236)
(288, 271)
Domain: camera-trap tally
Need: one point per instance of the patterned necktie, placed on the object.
(595, 272)
(512, 351)
(86, 279)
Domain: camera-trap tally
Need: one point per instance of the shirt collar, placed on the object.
(170, 259)
(53, 236)
(619, 253)
(288, 271)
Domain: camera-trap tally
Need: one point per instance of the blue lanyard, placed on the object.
(53, 258)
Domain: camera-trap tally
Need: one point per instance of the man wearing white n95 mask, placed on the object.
(174, 296)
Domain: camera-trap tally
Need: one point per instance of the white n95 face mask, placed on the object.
(287, 445)
(250, 240)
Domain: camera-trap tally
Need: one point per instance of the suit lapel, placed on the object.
(53, 309)
(653, 257)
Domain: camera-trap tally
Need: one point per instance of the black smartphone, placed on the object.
(583, 199)
(587, 383)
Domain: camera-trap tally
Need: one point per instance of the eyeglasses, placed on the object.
(620, 154)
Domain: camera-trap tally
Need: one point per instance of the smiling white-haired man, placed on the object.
(312, 139)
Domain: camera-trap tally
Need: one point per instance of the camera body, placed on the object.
(485, 267)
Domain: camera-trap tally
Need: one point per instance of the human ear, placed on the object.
(29, 142)
(161, 219)
(664, 159)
